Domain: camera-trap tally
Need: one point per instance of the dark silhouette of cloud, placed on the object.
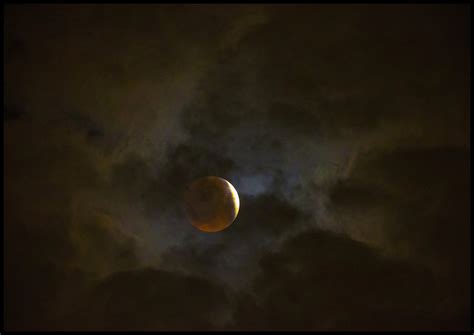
(322, 281)
(151, 300)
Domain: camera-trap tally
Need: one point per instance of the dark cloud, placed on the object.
(414, 203)
(12, 113)
(35, 256)
(150, 300)
(322, 281)
(421, 195)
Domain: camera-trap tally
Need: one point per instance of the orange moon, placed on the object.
(211, 204)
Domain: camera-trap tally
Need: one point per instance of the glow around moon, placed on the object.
(212, 203)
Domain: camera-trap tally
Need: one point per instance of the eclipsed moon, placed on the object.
(211, 203)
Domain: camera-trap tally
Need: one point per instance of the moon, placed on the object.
(211, 204)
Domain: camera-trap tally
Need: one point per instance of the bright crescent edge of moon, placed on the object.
(235, 197)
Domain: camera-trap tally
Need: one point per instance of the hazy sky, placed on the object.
(345, 130)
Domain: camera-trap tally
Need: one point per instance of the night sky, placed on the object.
(344, 129)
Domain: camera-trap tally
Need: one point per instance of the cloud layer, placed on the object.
(344, 129)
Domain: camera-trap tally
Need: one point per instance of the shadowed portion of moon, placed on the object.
(211, 204)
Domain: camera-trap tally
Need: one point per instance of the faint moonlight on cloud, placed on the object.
(211, 203)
